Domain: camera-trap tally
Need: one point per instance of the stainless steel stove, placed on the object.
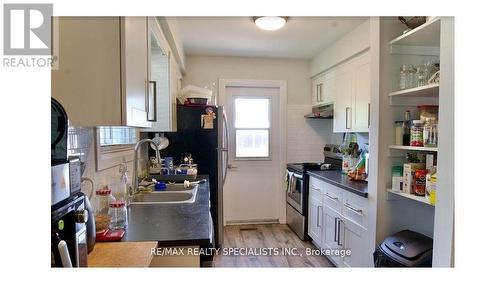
(298, 187)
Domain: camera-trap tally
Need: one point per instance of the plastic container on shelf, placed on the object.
(399, 132)
(430, 133)
(417, 133)
(118, 215)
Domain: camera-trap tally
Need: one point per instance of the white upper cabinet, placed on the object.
(135, 70)
(104, 72)
(361, 93)
(342, 121)
(87, 81)
(351, 84)
(322, 89)
(316, 90)
(160, 98)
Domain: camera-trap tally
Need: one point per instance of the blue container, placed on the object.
(160, 186)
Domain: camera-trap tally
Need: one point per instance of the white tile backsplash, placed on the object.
(306, 137)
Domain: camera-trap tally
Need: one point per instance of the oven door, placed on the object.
(295, 191)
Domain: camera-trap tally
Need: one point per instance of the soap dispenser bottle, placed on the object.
(123, 170)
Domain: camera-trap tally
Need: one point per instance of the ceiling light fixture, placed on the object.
(270, 23)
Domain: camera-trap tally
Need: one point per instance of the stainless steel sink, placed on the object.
(175, 194)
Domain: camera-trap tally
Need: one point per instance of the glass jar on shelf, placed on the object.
(101, 208)
(430, 133)
(118, 215)
(411, 80)
(420, 76)
(403, 77)
(417, 133)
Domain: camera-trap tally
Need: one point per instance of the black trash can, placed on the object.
(404, 249)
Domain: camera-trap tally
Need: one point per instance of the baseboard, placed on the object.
(257, 221)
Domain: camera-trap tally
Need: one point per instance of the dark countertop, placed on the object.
(172, 224)
(336, 178)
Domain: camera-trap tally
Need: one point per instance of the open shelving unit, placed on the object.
(432, 41)
(431, 90)
(415, 148)
(423, 200)
(426, 34)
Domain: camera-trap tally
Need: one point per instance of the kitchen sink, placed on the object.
(175, 194)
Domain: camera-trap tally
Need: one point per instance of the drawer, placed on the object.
(355, 208)
(316, 188)
(314, 182)
(315, 191)
(333, 197)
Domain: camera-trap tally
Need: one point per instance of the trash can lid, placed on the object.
(408, 244)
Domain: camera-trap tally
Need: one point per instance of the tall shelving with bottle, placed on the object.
(397, 211)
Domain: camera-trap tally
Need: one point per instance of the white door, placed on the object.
(254, 182)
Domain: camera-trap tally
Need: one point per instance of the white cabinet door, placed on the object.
(316, 90)
(330, 229)
(327, 88)
(361, 93)
(87, 82)
(315, 219)
(353, 237)
(342, 121)
(135, 71)
(160, 101)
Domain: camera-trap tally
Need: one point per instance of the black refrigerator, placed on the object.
(202, 131)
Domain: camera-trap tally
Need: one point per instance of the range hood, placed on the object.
(321, 112)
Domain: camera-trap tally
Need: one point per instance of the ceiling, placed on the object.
(302, 37)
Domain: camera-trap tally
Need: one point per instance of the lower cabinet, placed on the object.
(314, 219)
(331, 228)
(330, 232)
(353, 238)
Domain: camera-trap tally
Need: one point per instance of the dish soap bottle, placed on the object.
(122, 188)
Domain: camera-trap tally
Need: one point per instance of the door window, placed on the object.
(252, 125)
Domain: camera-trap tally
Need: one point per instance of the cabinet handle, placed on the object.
(369, 117)
(347, 119)
(317, 92)
(317, 216)
(320, 92)
(348, 206)
(335, 238)
(317, 189)
(338, 230)
(148, 110)
(331, 197)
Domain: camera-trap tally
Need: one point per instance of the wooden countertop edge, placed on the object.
(121, 254)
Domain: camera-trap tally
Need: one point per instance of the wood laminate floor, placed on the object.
(256, 238)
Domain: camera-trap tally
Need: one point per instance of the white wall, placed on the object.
(305, 138)
(352, 43)
(204, 70)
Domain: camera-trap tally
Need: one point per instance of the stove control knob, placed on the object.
(81, 216)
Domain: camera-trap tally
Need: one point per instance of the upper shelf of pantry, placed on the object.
(426, 34)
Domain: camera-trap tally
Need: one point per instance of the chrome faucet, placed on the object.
(135, 178)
